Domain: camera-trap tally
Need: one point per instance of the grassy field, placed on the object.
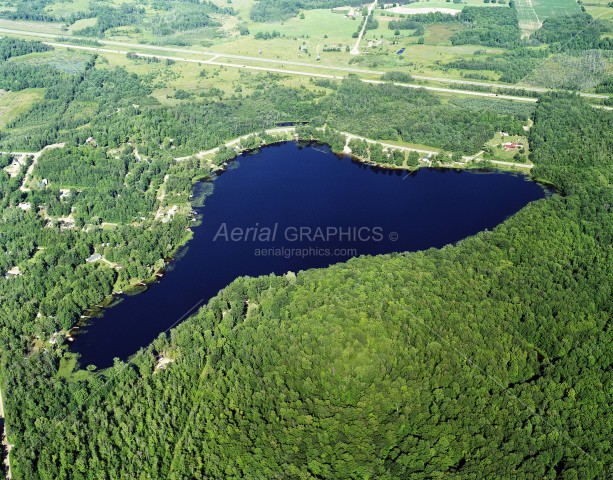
(196, 79)
(599, 9)
(68, 61)
(554, 8)
(68, 8)
(13, 104)
(38, 27)
(316, 23)
(80, 24)
(502, 154)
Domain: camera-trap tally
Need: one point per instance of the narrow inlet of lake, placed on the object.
(290, 208)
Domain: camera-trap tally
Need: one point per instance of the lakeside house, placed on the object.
(512, 145)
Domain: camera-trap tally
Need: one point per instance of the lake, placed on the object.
(291, 207)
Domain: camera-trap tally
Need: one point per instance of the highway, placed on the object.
(318, 66)
(285, 71)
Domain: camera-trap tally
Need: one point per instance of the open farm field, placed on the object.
(531, 13)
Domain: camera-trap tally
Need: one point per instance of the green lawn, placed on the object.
(500, 153)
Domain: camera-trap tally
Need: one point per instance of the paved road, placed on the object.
(215, 55)
(356, 48)
(291, 72)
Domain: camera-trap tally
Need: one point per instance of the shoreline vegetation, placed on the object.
(484, 358)
(521, 275)
(374, 153)
(298, 132)
(371, 152)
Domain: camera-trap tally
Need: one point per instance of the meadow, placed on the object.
(14, 104)
(600, 9)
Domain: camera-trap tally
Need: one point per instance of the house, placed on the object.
(93, 258)
(91, 141)
(13, 272)
(510, 145)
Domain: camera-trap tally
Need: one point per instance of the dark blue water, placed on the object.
(293, 190)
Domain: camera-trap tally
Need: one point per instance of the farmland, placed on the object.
(531, 13)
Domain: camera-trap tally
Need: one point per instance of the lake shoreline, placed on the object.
(285, 155)
(143, 284)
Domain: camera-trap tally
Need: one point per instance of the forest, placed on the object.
(492, 27)
(496, 27)
(279, 10)
(485, 359)
(445, 126)
(513, 65)
(12, 47)
(574, 32)
(489, 358)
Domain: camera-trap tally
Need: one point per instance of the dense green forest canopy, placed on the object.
(493, 27)
(277, 10)
(379, 111)
(160, 17)
(573, 32)
(485, 359)
(489, 358)
(13, 47)
(513, 65)
(415, 116)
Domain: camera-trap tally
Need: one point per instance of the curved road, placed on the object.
(350, 136)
